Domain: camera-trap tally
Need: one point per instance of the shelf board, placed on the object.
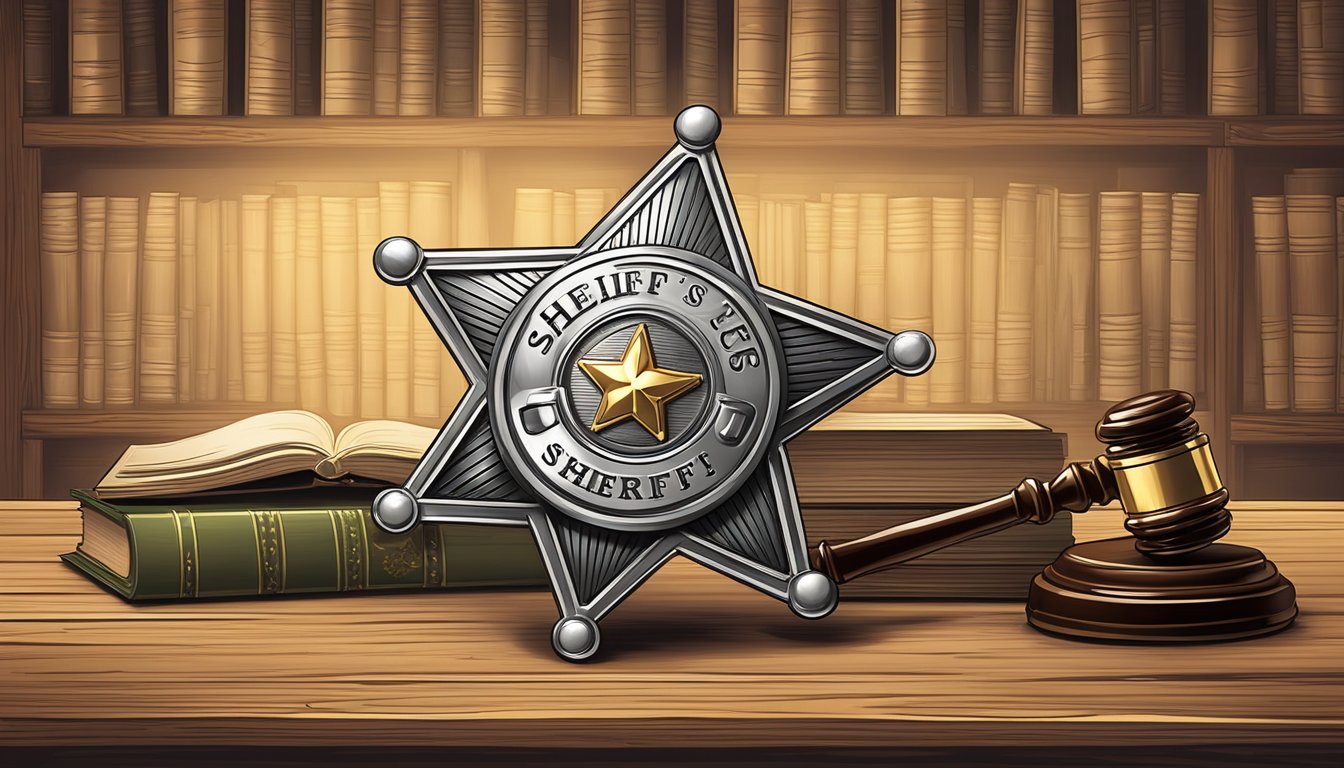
(1310, 131)
(1323, 428)
(589, 131)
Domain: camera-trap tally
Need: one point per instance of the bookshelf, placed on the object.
(1215, 152)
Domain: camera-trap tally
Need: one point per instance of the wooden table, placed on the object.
(693, 667)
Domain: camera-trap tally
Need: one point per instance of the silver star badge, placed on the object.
(631, 397)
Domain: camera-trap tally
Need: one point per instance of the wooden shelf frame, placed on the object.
(1313, 428)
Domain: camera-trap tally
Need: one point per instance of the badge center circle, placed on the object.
(636, 389)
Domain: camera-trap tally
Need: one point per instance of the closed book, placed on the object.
(1171, 59)
(457, 58)
(813, 82)
(92, 257)
(339, 303)
(1314, 181)
(197, 46)
(589, 205)
(1119, 304)
(1183, 342)
(254, 240)
(37, 58)
(1234, 58)
(231, 299)
(186, 299)
(388, 27)
(95, 58)
(431, 208)
(269, 79)
(306, 60)
(209, 303)
(347, 57)
(604, 57)
(286, 545)
(121, 292)
(1283, 26)
(1034, 84)
(371, 294)
(537, 61)
(1312, 295)
(562, 217)
(791, 244)
(997, 42)
(957, 65)
(986, 256)
(1269, 220)
(862, 82)
(872, 292)
(142, 66)
(532, 216)
(817, 251)
(921, 57)
(844, 252)
(1104, 63)
(909, 279)
(1155, 269)
(59, 259)
(158, 301)
(700, 53)
(1144, 61)
(308, 304)
(1016, 296)
(393, 216)
(284, 364)
(947, 380)
(1320, 61)
(1076, 291)
(1046, 321)
(503, 51)
(767, 252)
(648, 57)
(760, 28)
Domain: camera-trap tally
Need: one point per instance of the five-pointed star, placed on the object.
(635, 387)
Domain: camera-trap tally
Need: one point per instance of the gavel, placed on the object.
(1166, 582)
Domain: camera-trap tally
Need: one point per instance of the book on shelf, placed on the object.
(1074, 340)
(209, 314)
(947, 381)
(502, 43)
(760, 29)
(1119, 306)
(924, 76)
(457, 58)
(1283, 44)
(813, 82)
(339, 304)
(347, 57)
(1045, 325)
(1313, 275)
(649, 56)
(142, 70)
(96, 57)
(92, 257)
(1320, 61)
(1182, 372)
(308, 304)
(59, 264)
(1270, 223)
(1155, 285)
(394, 202)
(863, 72)
(187, 230)
(700, 53)
(121, 289)
(1234, 58)
(986, 257)
(1034, 64)
(157, 334)
(269, 80)
(307, 50)
(537, 59)
(37, 58)
(996, 40)
(283, 282)
(605, 57)
(908, 280)
(390, 21)
(231, 301)
(1017, 282)
(197, 50)
(370, 313)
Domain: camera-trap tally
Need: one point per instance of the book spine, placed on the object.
(1016, 296)
(186, 299)
(956, 57)
(457, 58)
(197, 31)
(871, 293)
(1182, 370)
(430, 217)
(759, 56)
(142, 78)
(1285, 55)
(1171, 67)
(59, 251)
(284, 362)
(473, 221)
(997, 42)
(209, 327)
(1119, 308)
(254, 234)
(536, 63)
(503, 51)
(1312, 289)
(844, 252)
(817, 250)
(813, 82)
(1269, 220)
(589, 205)
(604, 58)
(531, 217)
(700, 52)
(158, 301)
(308, 304)
(392, 20)
(767, 256)
(339, 297)
(231, 301)
(37, 58)
(1104, 51)
(92, 255)
(269, 81)
(393, 217)
(371, 310)
(1033, 92)
(948, 379)
(1077, 293)
(1046, 324)
(649, 57)
(562, 217)
(347, 57)
(1234, 58)
(1320, 60)
(862, 81)
(921, 57)
(95, 57)
(1144, 64)
(986, 255)
(121, 290)
(792, 264)
(910, 277)
(1155, 285)
(418, 55)
(305, 60)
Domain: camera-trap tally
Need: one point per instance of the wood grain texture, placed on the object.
(586, 131)
(1286, 132)
(691, 658)
(1288, 428)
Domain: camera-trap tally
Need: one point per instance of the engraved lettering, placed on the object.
(630, 488)
(730, 337)
(695, 294)
(656, 281)
(684, 473)
(552, 454)
(740, 360)
(577, 469)
(543, 341)
(657, 483)
(704, 459)
(724, 316)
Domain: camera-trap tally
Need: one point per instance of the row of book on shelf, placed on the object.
(271, 298)
(612, 57)
(1299, 287)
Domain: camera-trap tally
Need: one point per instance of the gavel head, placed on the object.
(1165, 477)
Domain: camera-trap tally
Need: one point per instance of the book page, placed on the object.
(379, 449)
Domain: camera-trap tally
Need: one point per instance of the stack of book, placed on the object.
(1299, 282)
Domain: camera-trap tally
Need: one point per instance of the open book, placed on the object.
(277, 450)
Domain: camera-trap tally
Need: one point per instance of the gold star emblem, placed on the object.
(635, 387)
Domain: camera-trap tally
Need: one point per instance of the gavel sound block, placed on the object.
(1166, 582)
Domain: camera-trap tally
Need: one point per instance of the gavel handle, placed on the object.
(1076, 489)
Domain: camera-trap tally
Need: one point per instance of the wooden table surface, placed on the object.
(691, 659)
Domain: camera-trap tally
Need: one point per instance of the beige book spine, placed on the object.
(604, 57)
(997, 61)
(700, 52)
(986, 255)
(37, 58)
(1312, 293)
(649, 62)
(947, 379)
(430, 216)
(1183, 350)
(270, 58)
(1155, 269)
(909, 277)
(254, 299)
(536, 64)
(1077, 293)
(308, 304)
(394, 219)
(844, 252)
(59, 246)
(197, 31)
(532, 224)
(121, 291)
(767, 257)
(1339, 301)
(1171, 66)
(372, 311)
(284, 290)
(1320, 63)
(1046, 322)
(589, 206)
(457, 58)
(1234, 58)
(339, 303)
(872, 291)
(921, 57)
(391, 20)
(503, 54)
(347, 57)
(209, 329)
(305, 60)
(862, 82)
(1285, 53)
(1016, 296)
(1033, 85)
(473, 222)
(760, 28)
(186, 299)
(418, 57)
(817, 249)
(231, 275)
(1119, 307)
(92, 256)
(142, 68)
(791, 266)
(813, 83)
(158, 301)
(1104, 51)
(1144, 65)
(95, 57)
(562, 218)
(1269, 220)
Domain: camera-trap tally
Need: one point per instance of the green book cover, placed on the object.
(302, 545)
